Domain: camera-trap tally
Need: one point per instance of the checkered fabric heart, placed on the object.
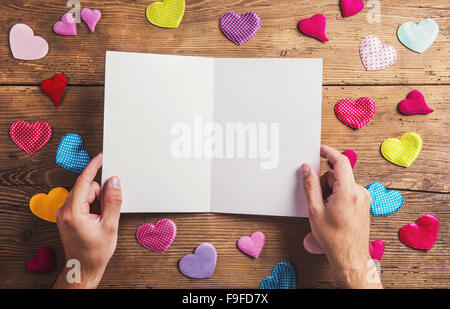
(376, 56)
(384, 202)
(403, 151)
(166, 14)
(70, 154)
(30, 137)
(355, 114)
(239, 29)
(157, 237)
(283, 277)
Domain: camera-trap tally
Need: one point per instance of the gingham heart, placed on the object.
(283, 277)
(158, 237)
(384, 202)
(30, 137)
(376, 56)
(239, 29)
(71, 155)
(355, 114)
(403, 151)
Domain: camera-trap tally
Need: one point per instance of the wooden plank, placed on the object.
(82, 112)
(124, 27)
(132, 266)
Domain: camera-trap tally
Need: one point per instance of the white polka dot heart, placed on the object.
(376, 56)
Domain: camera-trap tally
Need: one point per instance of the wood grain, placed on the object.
(124, 28)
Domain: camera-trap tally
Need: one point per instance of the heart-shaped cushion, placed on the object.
(383, 201)
(314, 26)
(351, 7)
(311, 245)
(239, 28)
(418, 37)
(414, 104)
(422, 234)
(70, 154)
(252, 245)
(355, 114)
(376, 56)
(44, 262)
(91, 17)
(25, 45)
(45, 206)
(158, 237)
(67, 25)
(403, 151)
(166, 14)
(283, 277)
(55, 87)
(376, 249)
(30, 137)
(201, 264)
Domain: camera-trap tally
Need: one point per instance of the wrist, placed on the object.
(360, 274)
(79, 275)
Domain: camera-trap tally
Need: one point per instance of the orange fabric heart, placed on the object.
(45, 206)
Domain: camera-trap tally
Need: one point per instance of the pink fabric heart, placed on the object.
(91, 17)
(30, 137)
(252, 245)
(376, 56)
(351, 7)
(67, 25)
(310, 244)
(25, 45)
(355, 114)
(351, 155)
(157, 237)
(239, 29)
(314, 26)
(414, 104)
(422, 234)
(376, 249)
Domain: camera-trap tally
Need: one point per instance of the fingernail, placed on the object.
(115, 182)
(304, 170)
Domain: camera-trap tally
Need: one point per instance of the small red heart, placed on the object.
(351, 7)
(55, 88)
(422, 234)
(376, 249)
(314, 26)
(30, 137)
(414, 104)
(355, 114)
(44, 262)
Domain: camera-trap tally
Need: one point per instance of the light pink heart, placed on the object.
(310, 244)
(25, 45)
(376, 56)
(91, 17)
(157, 237)
(67, 25)
(252, 245)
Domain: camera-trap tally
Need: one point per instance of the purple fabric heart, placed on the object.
(201, 264)
(239, 29)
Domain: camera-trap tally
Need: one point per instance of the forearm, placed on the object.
(85, 279)
(358, 275)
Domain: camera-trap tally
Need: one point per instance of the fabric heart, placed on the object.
(376, 249)
(418, 37)
(70, 154)
(351, 7)
(166, 14)
(403, 151)
(239, 29)
(25, 45)
(44, 262)
(384, 202)
(414, 104)
(314, 26)
(67, 25)
(422, 234)
(355, 114)
(252, 245)
(311, 245)
(351, 155)
(201, 264)
(376, 56)
(157, 237)
(55, 87)
(91, 17)
(45, 206)
(283, 277)
(30, 137)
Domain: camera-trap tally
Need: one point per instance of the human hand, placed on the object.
(89, 238)
(340, 219)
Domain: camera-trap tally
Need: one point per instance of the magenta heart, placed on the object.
(414, 104)
(310, 244)
(351, 7)
(201, 264)
(351, 155)
(239, 29)
(157, 237)
(376, 249)
(30, 137)
(91, 17)
(355, 114)
(25, 45)
(422, 234)
(67, 25)
(314, 26)
(252, 245)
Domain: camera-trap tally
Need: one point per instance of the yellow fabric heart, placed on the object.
(166, 14)
(402, 151)
(45, 206)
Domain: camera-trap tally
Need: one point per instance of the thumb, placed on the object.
(313, 191)
(112, 201)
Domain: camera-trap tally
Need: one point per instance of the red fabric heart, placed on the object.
(30, 137)
(376, 249)
(414, 104)
(55, 88)
(314, 26)
(422, 234)
(351, 7)
(44, 262)
(355, 114)
(157, 237)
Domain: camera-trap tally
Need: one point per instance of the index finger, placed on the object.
(82, 186)
(342, 169)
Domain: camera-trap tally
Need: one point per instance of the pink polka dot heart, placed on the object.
(355, 114)
(157, 237)
(30, 137)
(376, 56)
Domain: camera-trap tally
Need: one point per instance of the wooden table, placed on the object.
(425, 184)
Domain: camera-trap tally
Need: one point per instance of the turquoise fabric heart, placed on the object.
(383, 201)
(70, 154)
(418, 37)
(283, 277)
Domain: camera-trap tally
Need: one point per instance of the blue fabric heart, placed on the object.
(283, 277)
(70, 154)
(384, 202)
(418, 37)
